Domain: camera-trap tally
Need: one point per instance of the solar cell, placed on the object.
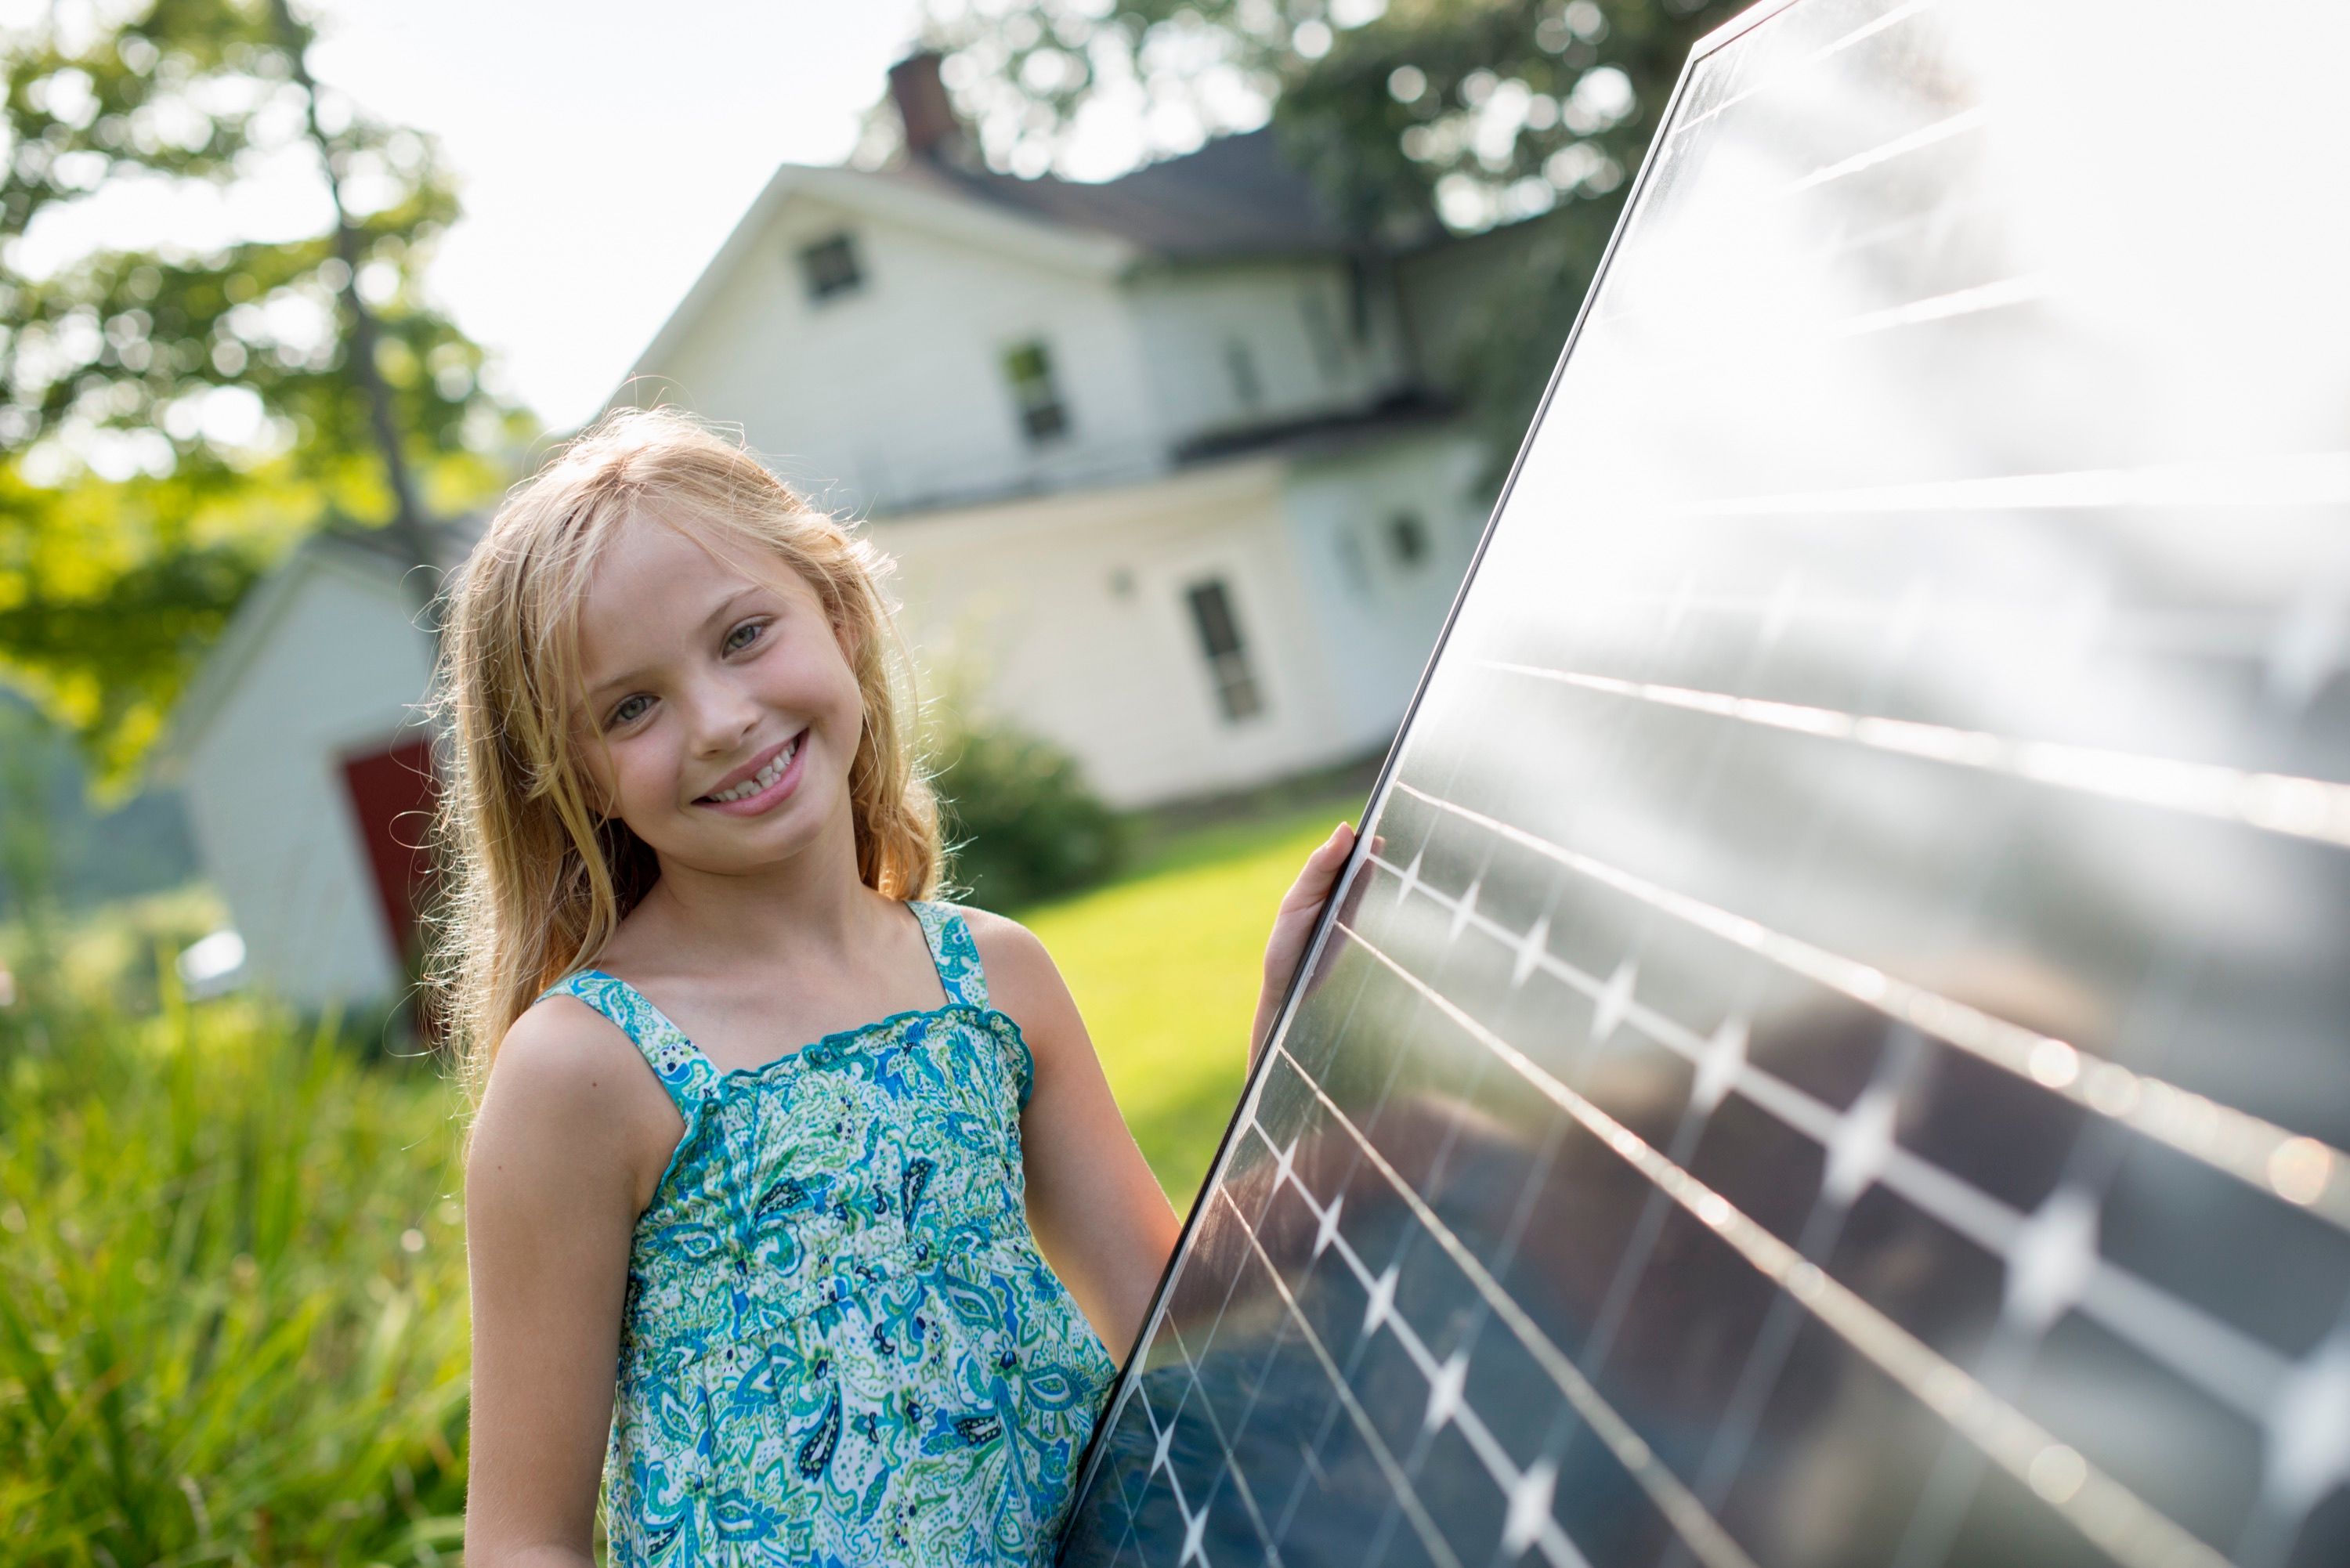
(1831, 1048)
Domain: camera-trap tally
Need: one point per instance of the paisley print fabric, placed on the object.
(840, 1345)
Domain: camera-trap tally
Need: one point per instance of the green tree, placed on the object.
(175, 416)
(1415, 117)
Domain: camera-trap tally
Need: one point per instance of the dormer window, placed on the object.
(1028, 371)
(829, 267)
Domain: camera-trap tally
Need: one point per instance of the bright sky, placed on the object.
(604, 149)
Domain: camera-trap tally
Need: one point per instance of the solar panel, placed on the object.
(1833, 1050)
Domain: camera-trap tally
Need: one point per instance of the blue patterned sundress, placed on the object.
(840, 1345)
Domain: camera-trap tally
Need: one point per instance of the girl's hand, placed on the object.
(1293, 925)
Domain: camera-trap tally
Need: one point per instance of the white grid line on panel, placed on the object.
(2290, 479)
(1703, 1533)
(1665, 147)
(2119, 1521)
(2294, 1167)
(2280, 802)
(2210, 634)
(1233, 1468)
(1925, 136)
(1998, 295)
(1860, 35)
(1163, 1438)
(1528, 1489)
(2221, 1359)
(1959, 303)
(1129, 1387)
(1406, 1498)
(1527, 1492)
(1944, 216)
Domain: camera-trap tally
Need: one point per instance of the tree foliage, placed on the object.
(1413, 116)
(176, 414)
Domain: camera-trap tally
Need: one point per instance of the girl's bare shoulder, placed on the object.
(561, 1051)
(569, 1099)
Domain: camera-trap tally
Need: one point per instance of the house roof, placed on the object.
(1237, 196)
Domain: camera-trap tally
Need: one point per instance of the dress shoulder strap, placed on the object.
(952, 951)
(683, 1071)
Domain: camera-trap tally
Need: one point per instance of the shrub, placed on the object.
(1024, 824)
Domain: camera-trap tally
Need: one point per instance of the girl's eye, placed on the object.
(736, 642)
(628, 710)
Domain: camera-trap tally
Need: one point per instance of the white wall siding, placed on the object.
(265, 785)
(1070, 613)
(893, 394)
(1190, 316)
(1380, 614)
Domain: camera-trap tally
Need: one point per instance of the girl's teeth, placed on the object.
(763, 778)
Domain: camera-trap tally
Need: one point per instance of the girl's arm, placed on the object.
(1098, 1213)
(550, 1206)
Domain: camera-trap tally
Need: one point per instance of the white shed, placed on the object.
(307, 771)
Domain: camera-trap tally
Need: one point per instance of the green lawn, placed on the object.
(1165, 964)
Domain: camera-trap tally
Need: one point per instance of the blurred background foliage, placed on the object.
(174, 420)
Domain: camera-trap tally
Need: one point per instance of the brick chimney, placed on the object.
(932, 128)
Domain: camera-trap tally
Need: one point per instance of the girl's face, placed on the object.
(722, 712)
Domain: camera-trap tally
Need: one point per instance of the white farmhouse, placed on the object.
(1161, 459)
(1167, 464)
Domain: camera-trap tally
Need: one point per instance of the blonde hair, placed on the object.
(534, 881)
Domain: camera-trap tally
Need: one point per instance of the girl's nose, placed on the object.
(721, 715)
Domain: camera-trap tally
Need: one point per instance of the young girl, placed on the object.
(783, 1301)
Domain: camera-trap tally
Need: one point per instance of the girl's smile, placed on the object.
(760, 784)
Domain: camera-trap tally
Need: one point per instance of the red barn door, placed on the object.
(391, 794)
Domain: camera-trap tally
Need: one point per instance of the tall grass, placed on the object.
(232, 1292)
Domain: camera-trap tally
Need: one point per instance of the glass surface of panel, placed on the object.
(1835, 1049)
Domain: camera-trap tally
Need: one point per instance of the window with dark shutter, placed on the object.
(1220, 640)
(829, 267)
(1028, 370)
